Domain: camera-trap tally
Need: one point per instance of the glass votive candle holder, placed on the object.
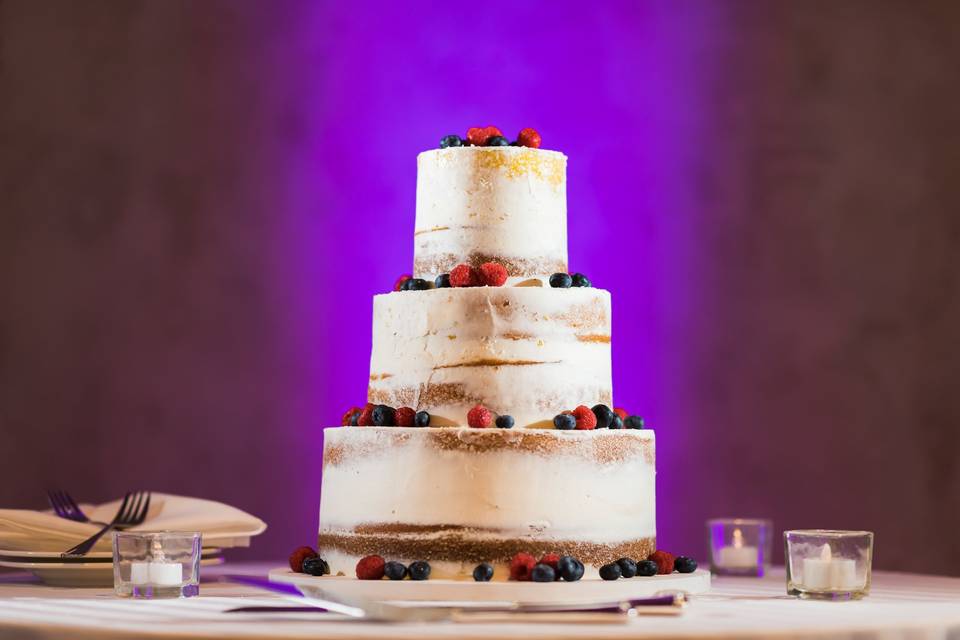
(824, 564)
(156, 564)
(739, 546)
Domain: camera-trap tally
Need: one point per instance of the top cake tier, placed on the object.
(502, 204)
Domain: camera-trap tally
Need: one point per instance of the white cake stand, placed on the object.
(342, 587)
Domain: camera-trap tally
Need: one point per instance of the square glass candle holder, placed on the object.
(161, 564)
(739, 546)
(824, 564)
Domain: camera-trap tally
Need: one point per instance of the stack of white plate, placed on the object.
(34, 540)
(92, 570)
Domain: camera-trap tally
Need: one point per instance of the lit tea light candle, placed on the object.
(160, 574)
(827, 572)
(738, 555)
(140, 573)
(166, 574)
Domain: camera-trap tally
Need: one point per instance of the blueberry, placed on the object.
(421, 419)
(543, 573)
(504, 422)
(647, 568)
(569, 568)
(564, 421)
(450, 141)
(604, 415)
(382, 416)
(442, 281)
(414, 284)
(483, 572)
(616, 422)
(628, 568)
(633, 422)
(579, 572)
(580, 280)
(610, 571)
(497, 141)
(354, 418)
(419, 570)
(684, 564)
(561, 281)
(316, 566)
(395, 570)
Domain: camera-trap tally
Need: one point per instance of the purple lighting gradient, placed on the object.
(199, 200)
(617, 89)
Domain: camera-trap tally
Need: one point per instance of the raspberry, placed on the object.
(400, 281)
(479, 136)
(551, 560)
(298, 556)
(348, 417)
(620, 411)
(664, 561)
(521, 566)
(370, 568)
(586, 419)
(493, 274)
(366, 416)
(479, 417)
(403, 417)
(529, 138)
(463, 275)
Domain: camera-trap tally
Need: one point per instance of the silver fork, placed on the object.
(66, 507)
(132, 511)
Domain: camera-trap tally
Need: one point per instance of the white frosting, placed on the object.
(509, 493)
(531, 352)
(508, 203)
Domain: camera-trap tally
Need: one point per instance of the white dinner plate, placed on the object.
(81, 572)
(18, 556)
(595, 590)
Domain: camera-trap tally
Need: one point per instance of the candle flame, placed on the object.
(737, 538)
(825, 554)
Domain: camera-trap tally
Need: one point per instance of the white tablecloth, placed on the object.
(900, 606)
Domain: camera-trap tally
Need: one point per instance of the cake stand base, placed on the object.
(458, 591)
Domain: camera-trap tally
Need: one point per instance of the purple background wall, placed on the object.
(198, 200)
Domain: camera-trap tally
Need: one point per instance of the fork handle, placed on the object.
(84, 547)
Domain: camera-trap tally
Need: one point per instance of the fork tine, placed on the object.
(71, 503)
(134, 509)
(123, 507)
(53, 499)
(146, 509)
(67, 504)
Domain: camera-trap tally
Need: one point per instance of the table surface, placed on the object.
(900, 605)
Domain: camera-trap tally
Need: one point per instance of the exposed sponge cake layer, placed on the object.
(456, 497)
(506, 204)
(529, 352)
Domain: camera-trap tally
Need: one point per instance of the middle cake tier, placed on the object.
(529, 352)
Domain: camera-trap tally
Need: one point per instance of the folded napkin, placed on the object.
(220, 524)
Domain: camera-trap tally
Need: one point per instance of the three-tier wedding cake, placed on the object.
(529, 351)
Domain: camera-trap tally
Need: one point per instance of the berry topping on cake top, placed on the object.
(491, 136)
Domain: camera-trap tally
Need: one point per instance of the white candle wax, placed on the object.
(166, 574)
(827, 572)
(139, 572)
(737, 557)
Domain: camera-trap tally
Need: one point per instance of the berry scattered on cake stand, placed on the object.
(345, 587)
(550, 580)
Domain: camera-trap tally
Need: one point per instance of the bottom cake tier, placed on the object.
(457, 497)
